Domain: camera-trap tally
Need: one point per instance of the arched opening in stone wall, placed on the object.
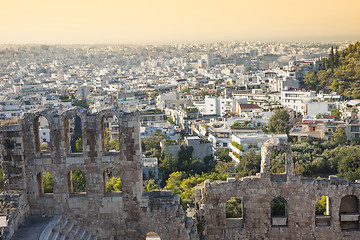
(322, 206)
(110, 133)
(234, 208)
(45, 183)
(42, 135)
(112, 180)
(77, 182)
(277, 161)
(152, 236)
(322, 211)
(349, 213)
(278, 212)
(73, 131)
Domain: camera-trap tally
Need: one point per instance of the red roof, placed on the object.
(249, 106)
(309, 122)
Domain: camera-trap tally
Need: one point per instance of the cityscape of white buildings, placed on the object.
(220, 92)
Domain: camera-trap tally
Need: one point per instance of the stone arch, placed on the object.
(272, 145)
(112, 180)
(46, 114)
(234, 208)
(112, 111)
(279, 212)
(322, 211)
(349, 213)
(152, 236)
(80, 186)
(45, 183)
(75, 111)
(322, 205)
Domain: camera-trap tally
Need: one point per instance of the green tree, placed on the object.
(174, 181)
(81, 103)
(113, 184)
(336, 113)
(77, 134)
(78, 181)
(279, 122)
(78, 144)
(249, 164)
(320, 205)
(311, 80)
(168, 164)
(150, 185)
(349, 162)
(185, 158)
(225, 168)
(339, 135)
(233, 208)
(48, 183)
(152, 144)
(223, 154)
(278, 207)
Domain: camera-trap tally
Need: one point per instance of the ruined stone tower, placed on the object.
(128, 214)
(256, 193)
(131, 213)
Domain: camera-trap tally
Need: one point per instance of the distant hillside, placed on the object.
(341, 72)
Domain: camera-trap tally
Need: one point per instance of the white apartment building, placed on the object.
(296, 100)
(219, 106)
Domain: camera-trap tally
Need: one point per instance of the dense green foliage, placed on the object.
(113, 184)
(278, 207)
(237, 145)
(279, 122)
(249, 164)
(81, 103)
(348, 158)
(184, 185)
(77, 134)
(151, 146)
(110, 145)
(223, 154)
(339, 135)
(341, 72)
(320, 205)
(150, 185)
(78, 181)
(48, 184)
(233, 208)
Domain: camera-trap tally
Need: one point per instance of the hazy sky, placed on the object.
(172, 21)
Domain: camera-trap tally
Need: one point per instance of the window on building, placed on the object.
(322, 211)
(349, 213)
(77, 182)
(110, 133)
(234, 208)
(355, 129)
(278, 207)
(112, 180)
(73, 130)
(41, 129)
(45, 183)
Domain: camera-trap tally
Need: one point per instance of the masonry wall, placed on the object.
(123, 215)
(256, 193)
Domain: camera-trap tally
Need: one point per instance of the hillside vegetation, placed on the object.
(340, 72)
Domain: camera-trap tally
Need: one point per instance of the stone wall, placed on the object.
(256, 193)
(131, 213)
(128, 214)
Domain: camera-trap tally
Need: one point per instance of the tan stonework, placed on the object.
(132, 213)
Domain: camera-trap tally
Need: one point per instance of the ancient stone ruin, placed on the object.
(129, 214)
(132, 213)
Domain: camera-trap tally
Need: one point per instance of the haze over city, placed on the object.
(160, 21)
